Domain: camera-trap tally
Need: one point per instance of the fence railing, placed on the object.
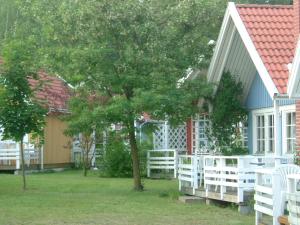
(190, 171)
(11, 157)
(228, 175)
(293, 197)
(162, 160)
(270, 191)
(272, 161)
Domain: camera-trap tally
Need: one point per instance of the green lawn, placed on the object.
(69, 198)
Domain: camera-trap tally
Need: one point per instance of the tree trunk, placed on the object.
(85, 166)
(23, 164)
(135, 158)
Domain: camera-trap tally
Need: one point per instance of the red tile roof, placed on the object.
(271, 30)
(51, 90)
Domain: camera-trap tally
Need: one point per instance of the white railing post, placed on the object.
(42, 157)
(194, 172)
(240, 191)
(277, 207)
(179, 180)
(148, 164)
(206, 186)
(222, 164)
(175, 163)
(166, 144)
(258, 181)
(17, 156)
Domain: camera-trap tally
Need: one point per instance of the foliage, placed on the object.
(20, 112)
(82, 124)
(9, 16)
(130, 53)
(227, 114)
(116, 160)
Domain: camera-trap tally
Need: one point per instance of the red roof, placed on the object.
(51, 90)
(271, 30)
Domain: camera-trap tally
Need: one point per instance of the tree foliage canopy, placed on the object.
(20, 113)
(228, 113)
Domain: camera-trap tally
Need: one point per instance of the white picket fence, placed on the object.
(190, 171)
(270, 191)
(293, 197)
(162, 160)
(228, 175)
(11, 157)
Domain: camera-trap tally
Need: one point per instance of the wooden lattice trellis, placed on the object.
(168, 137)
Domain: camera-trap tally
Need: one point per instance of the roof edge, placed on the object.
(233, 13)
(262, 6)
(294, 80)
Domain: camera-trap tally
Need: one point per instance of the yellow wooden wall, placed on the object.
(57, 147)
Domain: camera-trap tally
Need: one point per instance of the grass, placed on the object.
(69, 198)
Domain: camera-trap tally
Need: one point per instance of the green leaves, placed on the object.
(228, 111)
(132, 53)
(20, 113)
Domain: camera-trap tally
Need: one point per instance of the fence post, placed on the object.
(148, 164)
(179, 180)
(175, 162)
(258, 181)
(195, 172)
(222, 181)
(17, 156)
(166, 144)
(278, 204)
(240, 181)
(206, 187)
(42, 157)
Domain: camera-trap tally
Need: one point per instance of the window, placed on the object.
(260, 127)
(264, 141)
(290, 132)
(271, 142)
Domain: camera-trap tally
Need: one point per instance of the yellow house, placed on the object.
(57, 148)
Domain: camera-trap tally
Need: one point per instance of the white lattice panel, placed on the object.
(159, 137)
(167, 137)
(177, 137)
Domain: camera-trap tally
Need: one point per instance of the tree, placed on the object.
(226, 129)
(132, 53)
(82, 123)
(20, 112)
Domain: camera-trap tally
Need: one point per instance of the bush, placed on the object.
(116, 158)
(234, 150)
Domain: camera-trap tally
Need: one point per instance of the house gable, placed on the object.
(258, 96)
(233, 23)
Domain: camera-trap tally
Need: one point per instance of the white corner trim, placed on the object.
(219, 45)
(293, 78)
(261, 69)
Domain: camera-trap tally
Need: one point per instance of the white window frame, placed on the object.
(285, 110)
(266, 113)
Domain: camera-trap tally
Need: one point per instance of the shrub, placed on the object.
(116, 159)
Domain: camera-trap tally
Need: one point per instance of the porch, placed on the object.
(223, 178)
